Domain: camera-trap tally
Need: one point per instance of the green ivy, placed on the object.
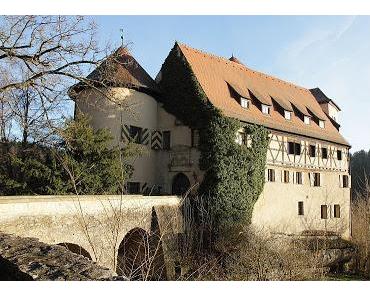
(234, 173)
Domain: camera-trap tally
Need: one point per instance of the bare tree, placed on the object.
(40, 58)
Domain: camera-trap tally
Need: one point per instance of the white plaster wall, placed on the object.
(331, 110)
(277, 206)
(138, 109)
(142, 110)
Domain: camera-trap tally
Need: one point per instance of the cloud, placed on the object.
(335, 56)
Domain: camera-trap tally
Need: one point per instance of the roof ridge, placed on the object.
(242, 66)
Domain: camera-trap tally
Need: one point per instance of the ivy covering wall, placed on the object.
(234, 173)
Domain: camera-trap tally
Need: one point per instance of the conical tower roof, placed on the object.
(121, 69)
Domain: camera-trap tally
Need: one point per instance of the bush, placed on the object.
(361, 232)
(27, 169)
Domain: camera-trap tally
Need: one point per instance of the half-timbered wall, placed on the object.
(278, 153)
(294, 181)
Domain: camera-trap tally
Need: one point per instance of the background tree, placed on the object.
(40, 58)
(360, 172)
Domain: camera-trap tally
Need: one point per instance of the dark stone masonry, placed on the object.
(29, 259)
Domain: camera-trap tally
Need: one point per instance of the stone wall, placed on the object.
(29, 259)
(97, 224)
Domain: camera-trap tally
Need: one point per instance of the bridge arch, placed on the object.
(140, 254)
(133, 254)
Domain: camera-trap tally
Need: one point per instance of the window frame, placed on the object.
(286, 176)
(345, 181)
(300, 208)
(339, 155)
(312, 146)
(136, 137)
(267, 108)
(245, 102)
(270, 178)
(165, 145)
(296, 147)
(324, 156)
(316, 179)
(195, 138)
(337, 211)
(129, 188)
(299, 177)
(306, 119)
(324, 211)
(287, 115)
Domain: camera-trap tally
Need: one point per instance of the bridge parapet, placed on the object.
(96, 223)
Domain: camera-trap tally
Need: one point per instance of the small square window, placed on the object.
(166, 140)
(287, 115)
(247, 140)
(316, 179)
(336, 211)
(324, 211)
(321, 124)
(298, 178)
(133, 188)
(136, 134)
(265, 109)
(244, 102)
(312, 151)
(271, 175)
(294, 148)
(194, 138)
(286, 176)
(324, 152)
(345, 181)
(300, 208)
(306, 120)
(297, 149)
(339, 155)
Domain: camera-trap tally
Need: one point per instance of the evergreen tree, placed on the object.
(90, 161)
(84, 162)
(360, 171)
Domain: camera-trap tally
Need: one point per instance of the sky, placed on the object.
(330, 52)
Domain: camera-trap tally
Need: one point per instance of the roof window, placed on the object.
(306, 119)
(287, 115)
(265, 109)
(244, 102)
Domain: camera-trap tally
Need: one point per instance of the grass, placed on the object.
(344, 277)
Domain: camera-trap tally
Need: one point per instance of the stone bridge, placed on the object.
(123, 233)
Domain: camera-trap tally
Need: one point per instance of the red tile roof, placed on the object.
(216, 74)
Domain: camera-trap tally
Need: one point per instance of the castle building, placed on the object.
(307, 181)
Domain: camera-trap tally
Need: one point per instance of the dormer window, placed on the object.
(321, 124)
(265, 109)
(244, 102)
(287, 115)
(306, 120)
